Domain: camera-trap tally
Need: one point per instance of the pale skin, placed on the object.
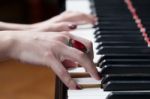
(57, 24)
(48, 48)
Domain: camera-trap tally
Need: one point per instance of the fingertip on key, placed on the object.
(78, 87)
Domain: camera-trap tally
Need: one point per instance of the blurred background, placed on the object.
(25, 81)
(29, 11)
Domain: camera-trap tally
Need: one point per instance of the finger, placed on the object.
(86, 18)
(88, 44)
(79, 18)
(82, 59)
(90, 19)
(65, 26)
(93, 18)
(69, 64)
(61, 72)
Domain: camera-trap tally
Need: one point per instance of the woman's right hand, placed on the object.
(50, 49)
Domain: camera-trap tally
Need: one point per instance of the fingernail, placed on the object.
(78, 87)
(72, 26)
(79, 46)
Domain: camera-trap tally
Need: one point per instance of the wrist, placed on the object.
(14, 26)
(7, 42)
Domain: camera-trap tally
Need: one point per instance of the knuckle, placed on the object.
(66, 33)
(58, 45)
(54, 44)
(81, 54)
(48, 54)
(62, 37)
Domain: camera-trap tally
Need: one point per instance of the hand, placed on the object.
(51, 49)
(75, 17)
(47, 26)
(66, 21)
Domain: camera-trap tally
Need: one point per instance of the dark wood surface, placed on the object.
(24, 81)
(60, 90)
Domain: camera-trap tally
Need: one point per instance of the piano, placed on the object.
(121, 42)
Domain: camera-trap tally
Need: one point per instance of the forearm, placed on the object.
(12, 26)
(6, 43)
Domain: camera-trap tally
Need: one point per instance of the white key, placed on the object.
(87, 80)
(87, 93)
(80, 70)
(78, 5)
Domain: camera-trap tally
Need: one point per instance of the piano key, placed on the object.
(129, 95)
(140, 85)
(87, 97)
(117, 32)
(126, 69)
(88, 82)
(119, 38)
(116, 12)
(117, 28)
(78, 5)
(79, 72)
(124, 77)
(123, 50)
(124, 56)
(109, 23)
(124, 61)
(110, 43)
(87, 92)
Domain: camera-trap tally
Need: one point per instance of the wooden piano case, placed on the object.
(60, 90)
(25, 81)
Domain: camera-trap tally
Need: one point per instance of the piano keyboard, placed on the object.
(121, 49)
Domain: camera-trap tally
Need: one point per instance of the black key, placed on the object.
(124, 56)
(121, 25)
(106, 32)
(128, 23)
(109, 43)
(120, 38)
(123, 50)
(117, 33)
(126, 69)
(142, 85)
(116, 62)
(118, 28)
(129, 95)
(124, 77)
